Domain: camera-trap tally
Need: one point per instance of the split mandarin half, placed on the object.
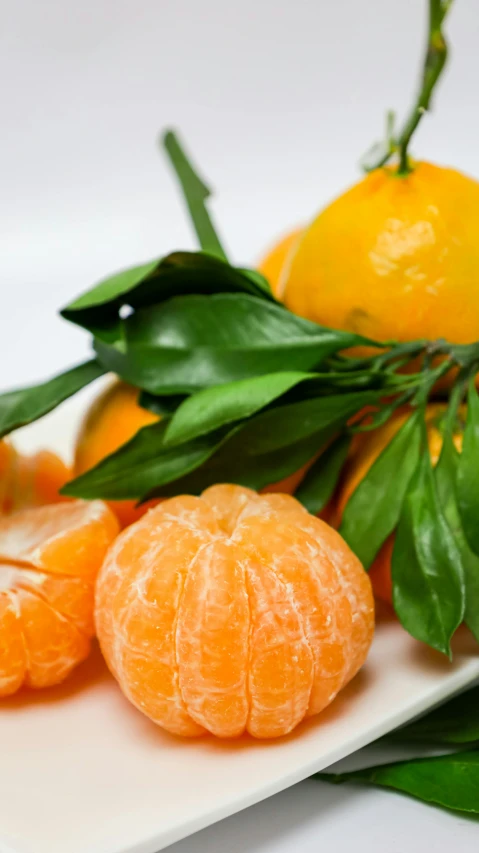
(30, 480)
(49, 558)
(232, 612)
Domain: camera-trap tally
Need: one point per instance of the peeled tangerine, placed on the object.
(49, 559)
(232, 611)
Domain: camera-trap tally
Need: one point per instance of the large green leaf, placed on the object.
(25, 405)
(450, 781)
(142, 464)
(373, 509)
(196, 193)
(446, 475)
(319, 483)
(177, 274)
(193, 342)
(468, 472)
(454, 723)
(427, 570)
(213, 407)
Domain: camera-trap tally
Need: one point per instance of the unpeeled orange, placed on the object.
(49, 558)
(232, 611)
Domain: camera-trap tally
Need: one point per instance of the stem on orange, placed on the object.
(434, 62)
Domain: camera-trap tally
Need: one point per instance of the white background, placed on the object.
(276, 99)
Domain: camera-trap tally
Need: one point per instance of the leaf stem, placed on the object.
(434, 62)
(196, 192)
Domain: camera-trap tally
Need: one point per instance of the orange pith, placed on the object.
(231, 612)
(49, 558)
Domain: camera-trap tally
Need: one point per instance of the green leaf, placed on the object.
(449, 781)
(180, 273)
(25, 405)
(427, 570)
(193, 342)
(272, 445)
(142, 464)
(456, 722)
(196, 193)
(160, 405)
(373, 509)
(468, 472)
(223, 404)
(446, 476)
(319, 483)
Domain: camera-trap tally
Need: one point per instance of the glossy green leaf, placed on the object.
(273, 444)
(446, 475)
(142, 464)
(196, 193)
(194, 342)
(427, 570)
(177, 274)
(373, 509)
(450, 781)
(468, 472)
(456, 722)
(318, 486)
(223, 404)
(25, 405)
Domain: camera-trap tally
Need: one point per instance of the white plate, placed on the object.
(83, 772)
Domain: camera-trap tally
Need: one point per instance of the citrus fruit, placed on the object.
(49, 558)
(367, 449)
(232, 612)
(113, 418)
(274, 262)
(393, 258)
(29, 480)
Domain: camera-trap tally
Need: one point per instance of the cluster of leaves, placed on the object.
(450, 781)
(249, 393)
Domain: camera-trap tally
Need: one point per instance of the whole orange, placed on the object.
(274, 262)
(394, 257)
(367, 448)
(113, 418)
(232, 612)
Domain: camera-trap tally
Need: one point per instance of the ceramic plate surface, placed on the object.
(83, 772)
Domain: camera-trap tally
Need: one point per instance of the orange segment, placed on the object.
(27, 481)
(212, 639)
(13, 660)
(281, 665)
(49, 558)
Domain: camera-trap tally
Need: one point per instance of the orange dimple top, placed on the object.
(231, 612)
(49, 558)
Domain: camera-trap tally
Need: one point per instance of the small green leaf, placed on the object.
(193, 342)
(223, 404)
(25, 405)
(373, 509)
(319, 483)
(446, 475)
(456, 722)
(468, 472)
(196, 193)
(449, 781)
(427, 569)
(142, 464)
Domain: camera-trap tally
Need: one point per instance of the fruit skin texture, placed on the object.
(393, 258)
(368, 447)
(232, 612)
(274, 262)
(113, 418)
(49, 558)
(30, 480)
